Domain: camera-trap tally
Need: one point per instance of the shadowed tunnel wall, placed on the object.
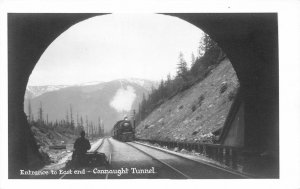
(249, 40)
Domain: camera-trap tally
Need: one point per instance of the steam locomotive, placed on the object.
(123, 131)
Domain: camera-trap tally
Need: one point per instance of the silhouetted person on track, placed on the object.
(81, 146)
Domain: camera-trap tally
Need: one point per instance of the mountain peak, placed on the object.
(108, 100)
(35, 91)
(145, 83)
(89, 83)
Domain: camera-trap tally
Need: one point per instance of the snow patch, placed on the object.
(39, 90)
(136, 81)
(147, 84)
(123, 99)
(90, 83)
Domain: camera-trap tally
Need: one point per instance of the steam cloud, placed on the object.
(123, 99)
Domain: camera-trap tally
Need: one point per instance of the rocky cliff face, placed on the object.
(194, 114)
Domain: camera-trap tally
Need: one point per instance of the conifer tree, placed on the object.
(205, 44)
(47, 120)
(161, 89)
(41, 113)
(77, 120)
(143, 107)
(29, 112)
(81, 121)
(67, 117)
(182, 69)
(193, 59)
(87, 125)
(71, 116)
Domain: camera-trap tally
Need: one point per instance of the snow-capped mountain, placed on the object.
(109, 100)
(89, 83)
(147, 84)
(35, 91)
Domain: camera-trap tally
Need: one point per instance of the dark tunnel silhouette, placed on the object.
(250, 41)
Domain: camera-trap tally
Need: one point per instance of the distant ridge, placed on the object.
(108, 100)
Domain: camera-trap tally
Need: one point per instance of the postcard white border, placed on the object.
(289, 71)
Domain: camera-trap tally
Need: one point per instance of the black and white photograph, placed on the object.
(104, 95)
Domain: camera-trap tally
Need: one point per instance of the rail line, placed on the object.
(110, 156)
(186, 159)
(180, 171)
(160, 161)
(101, 144)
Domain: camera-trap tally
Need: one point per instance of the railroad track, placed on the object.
(97, 149)
(101, 144)
(183, 158)
(162, 162)
(183, 167)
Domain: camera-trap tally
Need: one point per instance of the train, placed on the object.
(123, 131)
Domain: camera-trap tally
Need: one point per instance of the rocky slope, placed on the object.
(195, 113)
(46, 137)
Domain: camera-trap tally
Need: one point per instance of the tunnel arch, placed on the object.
(249, 40)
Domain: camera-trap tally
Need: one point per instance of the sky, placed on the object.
(116, 46)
